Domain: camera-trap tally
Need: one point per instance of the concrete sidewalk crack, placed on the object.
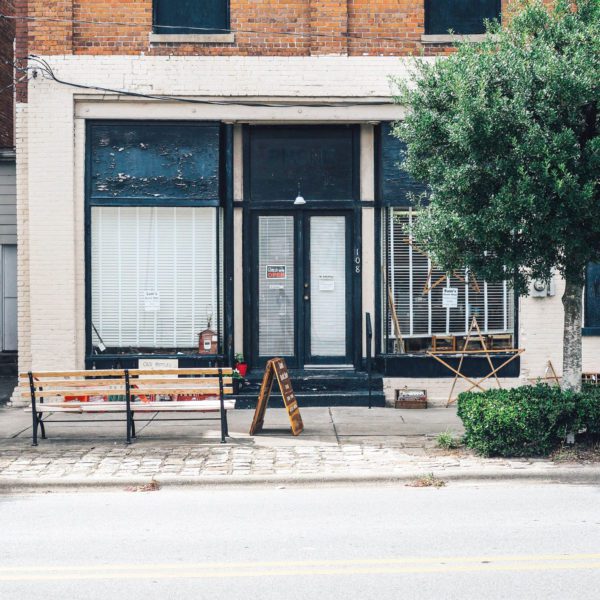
(337, 437)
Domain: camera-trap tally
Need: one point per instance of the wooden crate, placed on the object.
(410, 398)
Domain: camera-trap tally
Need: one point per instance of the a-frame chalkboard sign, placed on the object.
(276, 368)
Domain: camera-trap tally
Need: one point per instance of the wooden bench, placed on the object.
(128, 391)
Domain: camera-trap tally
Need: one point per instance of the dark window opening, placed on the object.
(319, 161)
(462, 17)
(191, 17)
(592, 296)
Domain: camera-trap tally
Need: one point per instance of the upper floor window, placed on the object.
(191, 16)
(592, 296)
(462, 17)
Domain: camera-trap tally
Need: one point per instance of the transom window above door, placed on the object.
(321, 162)
(461, 17)
(191, 16)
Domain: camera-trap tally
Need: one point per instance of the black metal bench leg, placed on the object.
(42, 426)
(133, 425)
(129, 417)
(226, 426)
(34, 429)
(34, 413)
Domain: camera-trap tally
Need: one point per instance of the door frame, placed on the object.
(353, 216)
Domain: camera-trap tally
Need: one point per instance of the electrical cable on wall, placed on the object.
(42, 66)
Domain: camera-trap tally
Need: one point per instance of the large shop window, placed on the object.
(155, 236)
(417, 309)
(462, 17)
(154, 281)
(191, 17)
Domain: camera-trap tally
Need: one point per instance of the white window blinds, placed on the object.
(154, 275)
(418, 301)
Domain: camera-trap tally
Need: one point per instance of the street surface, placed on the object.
(273, 543)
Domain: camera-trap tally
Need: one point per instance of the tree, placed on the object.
(505, 134)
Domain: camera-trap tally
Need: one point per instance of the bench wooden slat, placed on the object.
(91, 407)
(203, 371)
(104, 391)
(141, 391)
(178, 389)
(134, 372)
(85, 383)
(82, 374)
(42, 408)
(205, 406)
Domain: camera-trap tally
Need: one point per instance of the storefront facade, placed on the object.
(179, 207)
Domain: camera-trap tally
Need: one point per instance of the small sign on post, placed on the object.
(277, 369)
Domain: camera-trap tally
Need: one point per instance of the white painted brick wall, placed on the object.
(352, 77)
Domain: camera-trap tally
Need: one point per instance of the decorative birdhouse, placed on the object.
(207, 342)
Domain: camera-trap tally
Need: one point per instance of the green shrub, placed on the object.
(525, 421)
(589, 410)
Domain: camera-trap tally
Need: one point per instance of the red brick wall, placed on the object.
(277, 27)
(7, 37)
(21, 45)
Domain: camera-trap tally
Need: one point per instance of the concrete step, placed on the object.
(8, 364)
(322, 381)
(316, 399)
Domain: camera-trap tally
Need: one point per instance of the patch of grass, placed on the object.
(429, 480)
(447, 441)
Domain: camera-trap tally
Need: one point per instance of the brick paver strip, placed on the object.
(213, 462)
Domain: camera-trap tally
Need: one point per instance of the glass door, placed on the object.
(326, 295)
(276, 286)
(302, 289)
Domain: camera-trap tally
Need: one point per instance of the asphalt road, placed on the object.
(489, 541)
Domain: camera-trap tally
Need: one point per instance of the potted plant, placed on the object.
(240, 365)
(237, 381)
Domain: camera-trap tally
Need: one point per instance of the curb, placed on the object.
(569, 476)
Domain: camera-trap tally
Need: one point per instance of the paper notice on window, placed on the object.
(151, 301)
(450, 297)
(326, 283)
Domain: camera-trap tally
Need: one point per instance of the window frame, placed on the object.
(509, 300)
(223, 33)
(223, 206)
(445, 37)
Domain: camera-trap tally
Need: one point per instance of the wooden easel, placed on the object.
(466, 352)
(277, 369)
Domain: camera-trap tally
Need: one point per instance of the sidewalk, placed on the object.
(338, 445)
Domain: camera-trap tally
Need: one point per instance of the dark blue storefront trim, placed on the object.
(426, 367)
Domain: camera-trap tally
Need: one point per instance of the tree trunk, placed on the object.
(572, 303)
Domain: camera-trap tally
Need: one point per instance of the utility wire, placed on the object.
(350, 36)
(43, 66)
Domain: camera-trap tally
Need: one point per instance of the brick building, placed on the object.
(227, 166)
